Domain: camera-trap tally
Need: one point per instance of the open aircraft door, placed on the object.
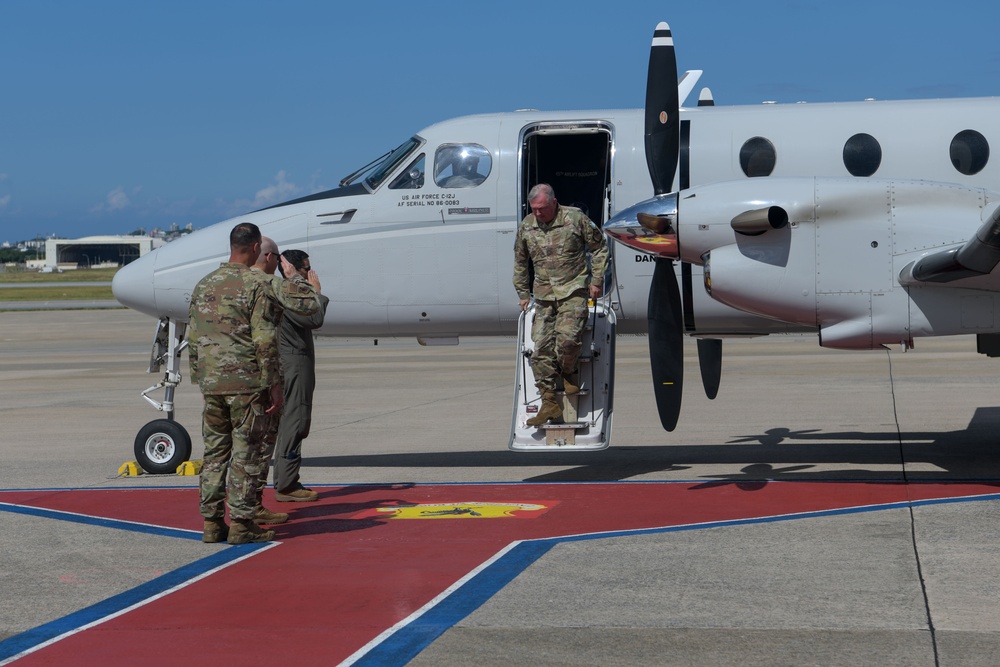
(587, 415)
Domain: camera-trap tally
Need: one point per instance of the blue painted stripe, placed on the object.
(32, 638)
(403, 645)
(100, 521)
(409, 640)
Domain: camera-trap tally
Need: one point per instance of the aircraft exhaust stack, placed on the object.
(753, 223)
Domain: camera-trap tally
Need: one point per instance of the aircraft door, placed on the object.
(576, 160)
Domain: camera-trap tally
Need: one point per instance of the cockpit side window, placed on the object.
(410, 178)
(381, 168)
(461, 165)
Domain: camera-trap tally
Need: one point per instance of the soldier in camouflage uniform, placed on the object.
(264, 269)
(554, 240)
(234, 360)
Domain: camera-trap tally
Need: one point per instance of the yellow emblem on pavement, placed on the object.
(461, 511)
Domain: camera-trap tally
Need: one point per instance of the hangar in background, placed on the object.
(95, 251)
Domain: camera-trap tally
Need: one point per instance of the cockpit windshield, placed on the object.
(378, 169)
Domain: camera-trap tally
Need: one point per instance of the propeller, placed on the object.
(663, 310)
(651, 227)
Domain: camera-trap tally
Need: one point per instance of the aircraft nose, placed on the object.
(133, 286)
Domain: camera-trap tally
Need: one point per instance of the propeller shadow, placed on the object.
(967, 455)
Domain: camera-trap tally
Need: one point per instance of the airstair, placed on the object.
(587, 415)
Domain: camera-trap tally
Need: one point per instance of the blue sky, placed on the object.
(116, 115)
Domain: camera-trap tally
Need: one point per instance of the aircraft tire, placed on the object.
(161, 446)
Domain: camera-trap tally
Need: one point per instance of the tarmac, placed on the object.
(828, 508)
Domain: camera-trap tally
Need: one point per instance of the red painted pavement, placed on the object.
(344, 572)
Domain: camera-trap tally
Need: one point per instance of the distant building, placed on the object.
(95, 251)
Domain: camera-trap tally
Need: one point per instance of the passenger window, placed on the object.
(862, 155)
(969, 152)
(410, 178)
(757, 157)
(461, 165)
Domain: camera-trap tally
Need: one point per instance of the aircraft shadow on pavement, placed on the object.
(968, 455)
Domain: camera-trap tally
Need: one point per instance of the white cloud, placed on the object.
(277, 192)
(4, 201)
(280, 190)
(116, 200)
(3, 177)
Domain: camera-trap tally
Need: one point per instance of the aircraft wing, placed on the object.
(970, 265)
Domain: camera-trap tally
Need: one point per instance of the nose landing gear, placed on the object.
(162, 445)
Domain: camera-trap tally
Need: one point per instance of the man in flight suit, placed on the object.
(554, 240)
(298, 363)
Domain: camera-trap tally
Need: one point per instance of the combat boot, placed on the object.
(570, 385)
(266, 516)
(215, 531)
(245, 531)
(550, 410)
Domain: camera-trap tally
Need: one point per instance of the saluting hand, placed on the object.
(287, 269)
(313, 280)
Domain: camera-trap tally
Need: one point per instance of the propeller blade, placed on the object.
(710, 361)
(662, 124)
(666, 342)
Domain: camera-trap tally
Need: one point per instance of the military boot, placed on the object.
(570, 385)
(215, 531)
(550, 410)
(266, 516)
(245, 531)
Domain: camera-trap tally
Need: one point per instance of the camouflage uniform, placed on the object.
(283, 301)
(234, 360)
(557, 252)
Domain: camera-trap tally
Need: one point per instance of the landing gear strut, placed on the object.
(162, 445)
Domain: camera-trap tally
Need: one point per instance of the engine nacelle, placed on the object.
(854, 258)
(834, 266)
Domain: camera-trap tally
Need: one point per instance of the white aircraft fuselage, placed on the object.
(401, 254)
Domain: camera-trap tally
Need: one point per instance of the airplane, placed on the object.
(867, 223)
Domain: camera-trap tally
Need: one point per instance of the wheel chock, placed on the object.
(189, 468)
(130, 469)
